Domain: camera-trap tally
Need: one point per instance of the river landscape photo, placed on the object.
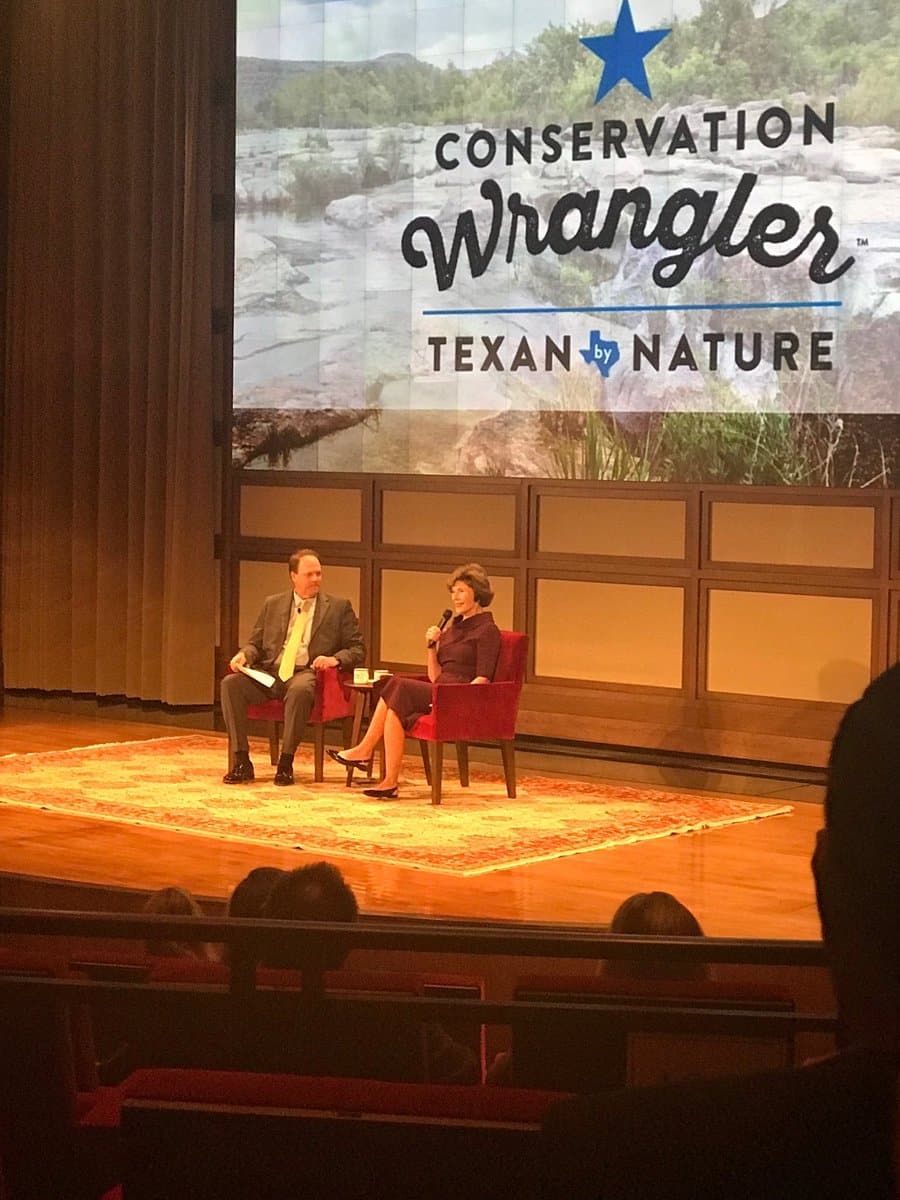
(463, 246)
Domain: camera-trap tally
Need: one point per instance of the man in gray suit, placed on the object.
(296, 634)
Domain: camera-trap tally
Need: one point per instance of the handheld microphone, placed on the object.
(445, 617)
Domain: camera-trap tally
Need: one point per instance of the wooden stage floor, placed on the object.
(745, 881)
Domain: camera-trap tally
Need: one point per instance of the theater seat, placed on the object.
(481, 712)
(217, 1135)
(590, 1054)
(33, 963)
(196, 1025)
(46, 1056)
(465, 1032)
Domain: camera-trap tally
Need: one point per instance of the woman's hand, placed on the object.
(432, 634)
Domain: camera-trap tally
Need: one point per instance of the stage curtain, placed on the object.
(109, 471)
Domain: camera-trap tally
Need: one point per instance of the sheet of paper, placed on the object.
(262, 677)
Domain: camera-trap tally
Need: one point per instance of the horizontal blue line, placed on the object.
(614, 308)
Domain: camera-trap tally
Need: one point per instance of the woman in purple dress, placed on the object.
(466, 651)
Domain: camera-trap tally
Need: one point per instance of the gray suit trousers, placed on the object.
(239, 690)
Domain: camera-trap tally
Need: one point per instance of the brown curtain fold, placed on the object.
(108, 464)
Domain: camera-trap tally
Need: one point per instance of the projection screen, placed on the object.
(578, 239)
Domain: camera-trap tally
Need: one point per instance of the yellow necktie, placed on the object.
(289, 656)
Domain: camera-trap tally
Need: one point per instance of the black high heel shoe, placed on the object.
(381, 793)
(362, 764)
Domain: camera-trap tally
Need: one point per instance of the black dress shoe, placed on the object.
(284, 776)
(361, 764)
(381, 793)
(241, 772)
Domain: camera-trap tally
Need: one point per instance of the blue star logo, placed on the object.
(623, 53)
(603, 355)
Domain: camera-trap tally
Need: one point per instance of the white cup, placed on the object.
(380, 674)
(360, 675)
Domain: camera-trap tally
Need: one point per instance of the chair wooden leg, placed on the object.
(462, 758)
(319, 752)
(437, 771)
(274, 742)
(426, 761)
(508, 750)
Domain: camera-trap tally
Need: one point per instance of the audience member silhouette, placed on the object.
(250, 895)
(823, 1131)
(657, 914)
(319, 892)
(248, 900)
(176, 902)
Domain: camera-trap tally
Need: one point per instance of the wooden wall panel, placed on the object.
(629, 633)
(752, 729)
(303, 515)
(801, 535)
(719, 621)
(797, 647)
(611, 526)
(483, 521)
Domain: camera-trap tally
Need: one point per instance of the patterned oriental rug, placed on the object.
(176, 783)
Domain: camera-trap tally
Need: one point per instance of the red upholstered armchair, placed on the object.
(334, 702)
(475, 712)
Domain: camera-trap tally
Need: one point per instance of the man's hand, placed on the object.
(323, 662)
(432, 634)
(239, 660)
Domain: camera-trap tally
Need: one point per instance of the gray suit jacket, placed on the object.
(335, 631)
